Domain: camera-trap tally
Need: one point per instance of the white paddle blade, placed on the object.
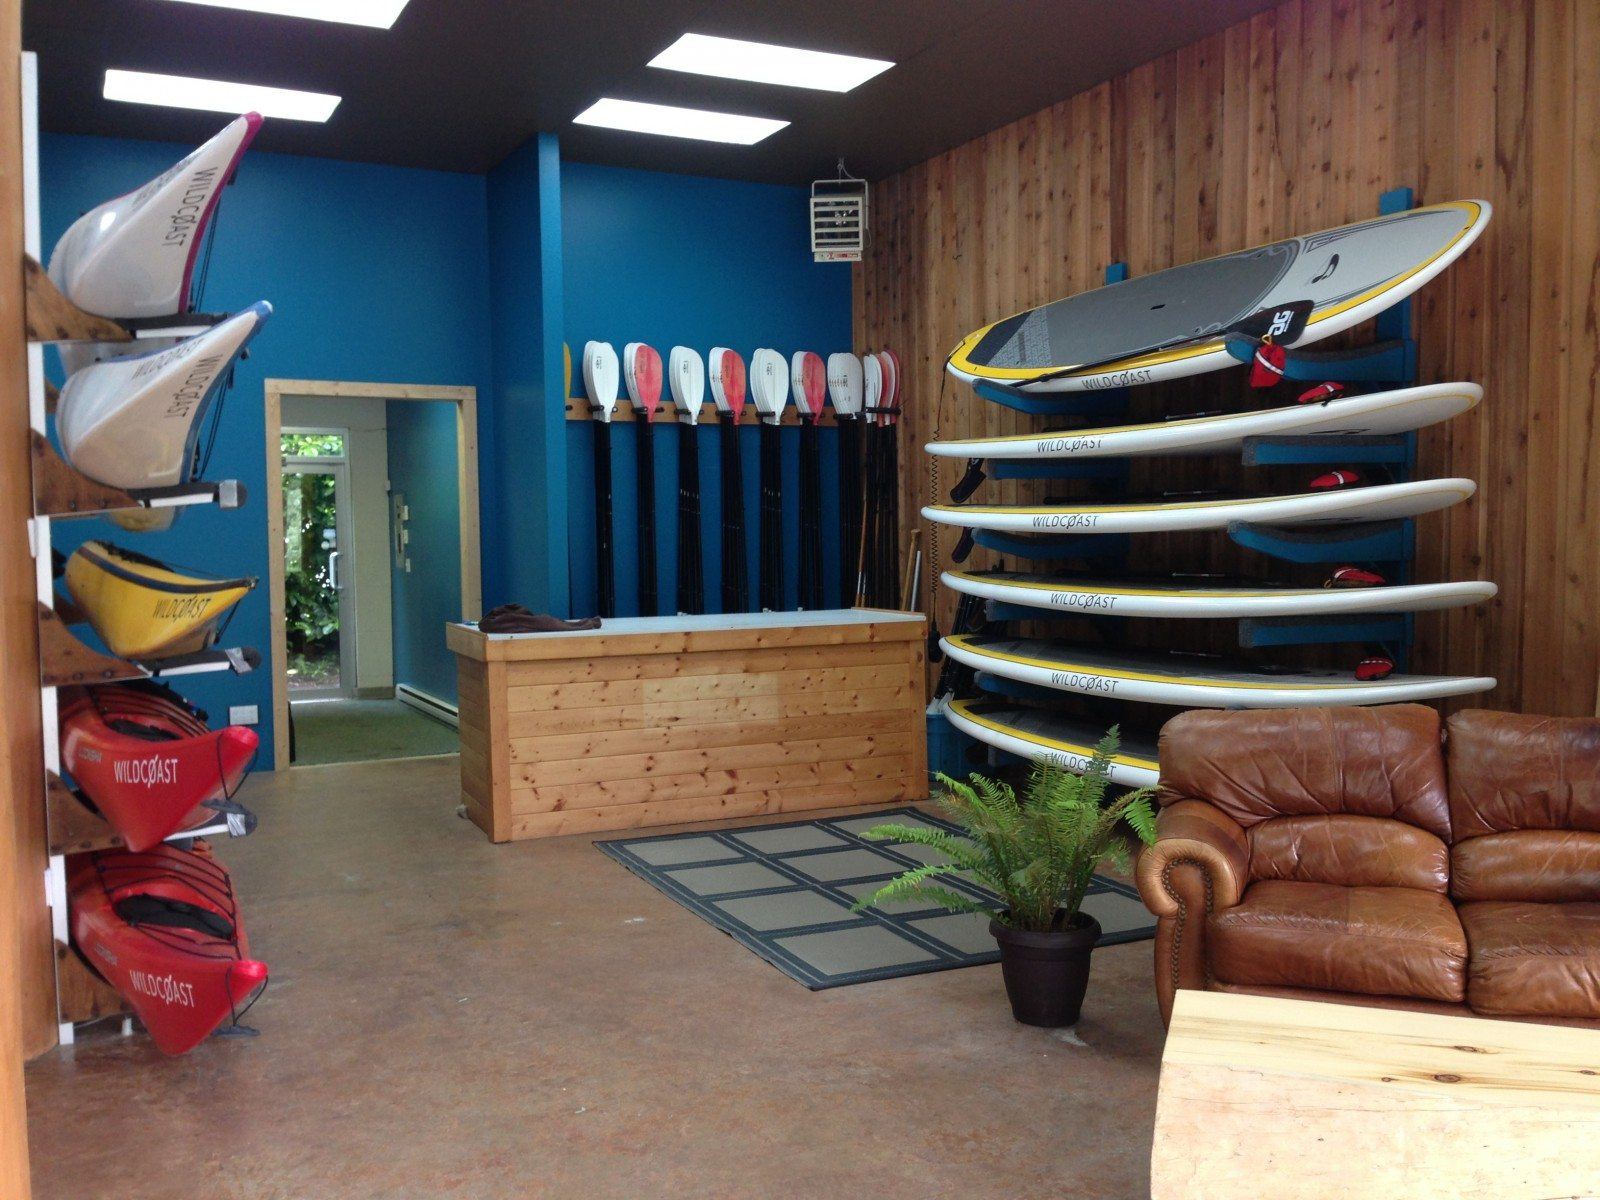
(808, 382)
(890, 366)
(719, 390)
(769, 383)
(687, 378)
(871, 385)
(600, 376)
(845, 383)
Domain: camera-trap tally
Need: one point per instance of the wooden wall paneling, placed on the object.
(1296, 120)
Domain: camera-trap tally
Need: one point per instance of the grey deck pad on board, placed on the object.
(785, 892)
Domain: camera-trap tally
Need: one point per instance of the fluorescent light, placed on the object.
(671, 121)
(216, 95)
(376, 14)
(758, 62)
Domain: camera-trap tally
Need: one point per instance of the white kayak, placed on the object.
(1384, 501)
(1174, 323)
(1208, 597)
(133, 422)
(1372, 415)
(1191, 680)
(1042, 736)
(135, 256)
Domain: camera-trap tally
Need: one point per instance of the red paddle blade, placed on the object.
(814, 384)
(733, 382)
(647, 378)
(1375, 667)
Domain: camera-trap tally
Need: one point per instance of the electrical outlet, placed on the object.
(244, 714)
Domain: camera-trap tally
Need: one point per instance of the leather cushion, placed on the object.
(1352, 851)
(1371, 762)
(1533, 959)
(1509, 771)
(1379, 941)
(1533, 864)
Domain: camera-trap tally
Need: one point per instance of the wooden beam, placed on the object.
(27, 992)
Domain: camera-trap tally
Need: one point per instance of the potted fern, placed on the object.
(1037, 853)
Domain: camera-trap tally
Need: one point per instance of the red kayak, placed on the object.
(146, 759)
(163, 928)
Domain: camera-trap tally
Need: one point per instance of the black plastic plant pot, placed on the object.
(1047, 974)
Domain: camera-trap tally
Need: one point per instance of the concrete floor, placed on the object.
(449, 1018)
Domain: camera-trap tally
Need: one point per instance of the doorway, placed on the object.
(373, 546)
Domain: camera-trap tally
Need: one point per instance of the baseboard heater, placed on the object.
(430, 706)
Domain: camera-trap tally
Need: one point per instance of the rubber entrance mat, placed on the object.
(785, 891)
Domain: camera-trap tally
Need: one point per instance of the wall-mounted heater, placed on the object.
(838, 218)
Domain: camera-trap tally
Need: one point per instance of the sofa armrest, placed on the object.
(1199, 864)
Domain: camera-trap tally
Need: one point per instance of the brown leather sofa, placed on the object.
(1366, 855)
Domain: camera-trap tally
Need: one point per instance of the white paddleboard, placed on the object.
(1208, 598)
(1372, 415)
(1042, 736)
(132, 422)
(1187, 680)
(1171, 324)
(135, 256)
(1385, 501)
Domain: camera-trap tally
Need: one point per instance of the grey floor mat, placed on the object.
(785, 892)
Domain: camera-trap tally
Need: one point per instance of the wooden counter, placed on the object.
(659, 720)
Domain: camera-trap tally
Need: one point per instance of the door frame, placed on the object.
(466, 401)
(347, 596)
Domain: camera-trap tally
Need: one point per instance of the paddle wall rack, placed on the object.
(61, 492)
(1388, 547)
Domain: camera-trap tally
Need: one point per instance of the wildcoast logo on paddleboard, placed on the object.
(166, 988)
(1082, 600)
(1075, 682)
(1066, 520)
(1117, 379)
(1057, 445)
(183, 220)
(156, 770)
(1072, 762)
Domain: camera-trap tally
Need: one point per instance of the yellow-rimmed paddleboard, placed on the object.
(1208, 597)
(1042, 736)
(1172, 324)
(1191, 680)
(1384, 501)
(143, 609)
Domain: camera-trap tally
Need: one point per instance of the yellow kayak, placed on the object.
(143, 609)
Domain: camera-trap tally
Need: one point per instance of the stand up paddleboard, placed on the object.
(1372, 415)
(1206, 597)
(1041, 736)
(686, 374)
(641, 372)
(769, 389)
(134, 422)
(1191, 680)
(601, 375)
(845, 391)
(1384, 501)
(1174, 323)
(728, 392)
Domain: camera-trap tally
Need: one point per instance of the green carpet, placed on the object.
(332, 731)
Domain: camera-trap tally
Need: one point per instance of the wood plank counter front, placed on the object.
(659, 720)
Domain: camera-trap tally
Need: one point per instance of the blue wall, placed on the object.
(376, 273)
(422, 468)
(682, 260)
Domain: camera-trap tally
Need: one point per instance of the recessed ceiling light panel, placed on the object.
(375, 14)
(758, 62)
(216, 95)
(671, 121)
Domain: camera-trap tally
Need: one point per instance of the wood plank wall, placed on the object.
(1293, 121)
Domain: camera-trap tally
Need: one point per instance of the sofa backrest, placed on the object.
(1351, 796)
(1524, 806)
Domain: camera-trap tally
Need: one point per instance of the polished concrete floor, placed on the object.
(452, 1019)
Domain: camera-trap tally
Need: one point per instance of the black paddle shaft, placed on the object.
(810, 518)
(771, 518)
(850, 485)
(691, 590)
(649, 605)
(605, 566)
(735, 561)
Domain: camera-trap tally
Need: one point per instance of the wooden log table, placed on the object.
(659, 720)
(1263, 1097)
